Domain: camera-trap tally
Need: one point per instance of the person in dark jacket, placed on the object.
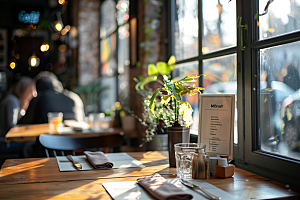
(51, 98)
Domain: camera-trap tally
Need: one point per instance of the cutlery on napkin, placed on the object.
(76, 164)
(98, 159)
(159, 188)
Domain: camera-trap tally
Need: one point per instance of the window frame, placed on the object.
(258, 161)
(247, 154)
(201, 57)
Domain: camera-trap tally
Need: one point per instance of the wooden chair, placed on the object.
(70, 143)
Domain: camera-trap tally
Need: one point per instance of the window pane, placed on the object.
(108, 57)
(122, 11)
(186, 29)
(107, 19)
(280, 99)
(282, 17)
(123, 48)
(109, 96)
(220, 78)
(219, 25)
(190, 69)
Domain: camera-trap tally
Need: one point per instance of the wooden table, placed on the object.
(39, 178)
(29, 133)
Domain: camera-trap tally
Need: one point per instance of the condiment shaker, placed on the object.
(198, 164)
(207, 169)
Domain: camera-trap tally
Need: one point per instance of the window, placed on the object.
(261, 66)
(114, 51)
(216, 44)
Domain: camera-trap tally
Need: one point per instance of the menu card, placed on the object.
(132, 190)
(120, 160)
(216, 122)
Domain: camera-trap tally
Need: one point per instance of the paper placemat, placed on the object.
(132, 190)
(120, 160)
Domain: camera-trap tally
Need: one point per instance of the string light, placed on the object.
(44, 47)
(12, 65)
(33, 61)
(58, 26)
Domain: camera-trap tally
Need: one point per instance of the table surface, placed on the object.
(40, 178)
(29, 133)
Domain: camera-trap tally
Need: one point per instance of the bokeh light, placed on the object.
(62, 48)
(12, 65)
(58, 26)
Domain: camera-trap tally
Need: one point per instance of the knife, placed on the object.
(194, 187)
(76, 164)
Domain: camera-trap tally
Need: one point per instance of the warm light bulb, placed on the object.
(62, 2)
(44, 47)
(33, 62)
(58, 26)
(12, 65)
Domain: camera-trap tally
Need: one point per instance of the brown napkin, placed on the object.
(159, 188)
(98, 159)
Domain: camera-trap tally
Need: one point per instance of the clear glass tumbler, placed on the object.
(55, 119)
(184, 153)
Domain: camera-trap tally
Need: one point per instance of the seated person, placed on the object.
(52, 98)
(12, 108)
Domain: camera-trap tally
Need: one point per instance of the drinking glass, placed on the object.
(55, 119)
(184, 153)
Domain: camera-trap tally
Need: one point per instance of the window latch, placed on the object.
(243, 33)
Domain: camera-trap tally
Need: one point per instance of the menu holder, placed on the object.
(216, 122)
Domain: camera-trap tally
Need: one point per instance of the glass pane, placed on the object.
(220, 78)
(122, 11)
(186, 29)
(280, 100)
(190, 69)
(108, 57)
(108, 22)
(219, 25)
(123, 48)
(109, 96)
(282, 17)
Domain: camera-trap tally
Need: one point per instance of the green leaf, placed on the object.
(172, 60)
(141, 78)
(152, 98)
(256, 16)
(170, 68)
(152, 70)
(138, 64)
(148, 80)
(137, 86)
(189, 79)
(174, 92)
(162, 68)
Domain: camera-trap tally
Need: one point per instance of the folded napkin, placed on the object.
(98, 159)
(159, 188)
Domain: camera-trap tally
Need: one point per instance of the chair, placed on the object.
(70, 143)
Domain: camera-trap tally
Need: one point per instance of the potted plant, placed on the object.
(169, 96)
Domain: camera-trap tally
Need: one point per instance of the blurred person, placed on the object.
(292, 77)
(14, 105)
(52, 98)
(12, 108)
